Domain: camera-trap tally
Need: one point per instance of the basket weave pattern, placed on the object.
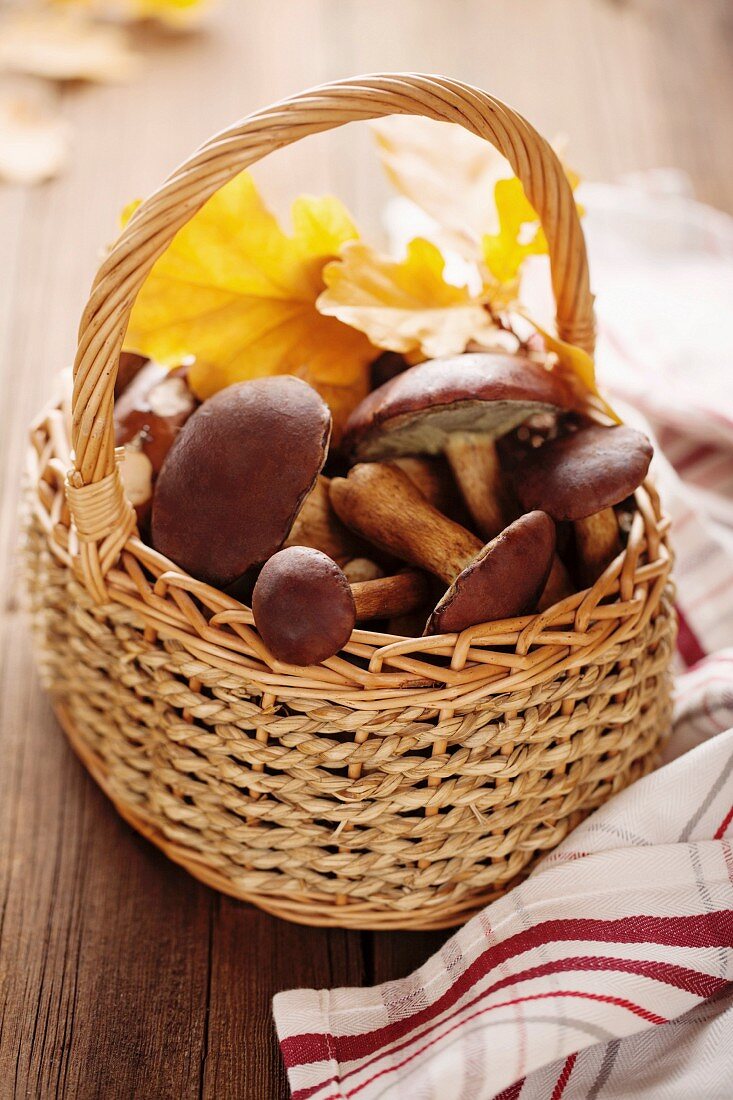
(405, 781)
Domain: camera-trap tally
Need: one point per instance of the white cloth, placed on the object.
(608, 972)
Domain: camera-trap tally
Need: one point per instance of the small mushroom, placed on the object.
(580, 477)
(497, 581)
(236, 476)
(148, 416)
(457, 406)
(305, 609)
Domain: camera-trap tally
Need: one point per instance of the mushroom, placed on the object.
(305, 609)
(497, 581)
(317, 525)
(457, 406)
(128, 365)
(433, 477)
(580, 477)
(362, 569)
(148, 415)
(236, 476)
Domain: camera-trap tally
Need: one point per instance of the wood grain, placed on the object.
(119, 975)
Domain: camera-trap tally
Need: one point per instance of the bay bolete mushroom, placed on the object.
(499, 580)
(458, 406)
(148, 415)
(580, 477)
(237, 475)
(305, 609)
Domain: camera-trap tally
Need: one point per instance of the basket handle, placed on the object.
(102, 516)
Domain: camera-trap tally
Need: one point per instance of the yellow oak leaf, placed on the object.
(519, 236)
(403, 305)
(173, 12)
(239, 294)
(576, 365)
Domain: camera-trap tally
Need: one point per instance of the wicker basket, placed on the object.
(405, 782)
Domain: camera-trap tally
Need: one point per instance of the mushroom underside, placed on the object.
(428, 430)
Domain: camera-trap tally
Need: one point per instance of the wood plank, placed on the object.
(253, 957)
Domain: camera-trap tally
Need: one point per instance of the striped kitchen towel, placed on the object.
(608, 973)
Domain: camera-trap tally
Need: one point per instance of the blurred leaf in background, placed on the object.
(61, 46)
(34, 138)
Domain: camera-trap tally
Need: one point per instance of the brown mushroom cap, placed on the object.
(578, 475)
(303, 606)
(506, 578)
(481, 392)
(237, 474)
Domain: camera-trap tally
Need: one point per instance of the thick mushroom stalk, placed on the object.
(317, 525)
(475, 465)
(580, 477)
(597, 542)
(456, 406)
(305, 609)
(500, 580)
(558, 586)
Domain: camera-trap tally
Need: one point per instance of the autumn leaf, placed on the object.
(34, 138)
(445, 170)
(238, 293)
(61, 45)
(576, 366)
(403, 305)
(176, 13)
(505, 251)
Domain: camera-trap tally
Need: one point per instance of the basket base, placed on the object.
(312, 913)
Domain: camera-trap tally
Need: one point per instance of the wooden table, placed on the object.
(120, 976)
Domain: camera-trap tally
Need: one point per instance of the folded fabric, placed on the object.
(625, 927)
(608, 972)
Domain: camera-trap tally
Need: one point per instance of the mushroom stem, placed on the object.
(381, 504)
(559, 585)
(597, 541)
(317, 525)
(390, 596)
(433, 478)
(410, 625)
(362, 569)
(475, 465)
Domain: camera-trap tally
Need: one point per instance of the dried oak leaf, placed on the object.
(34, 139)
(445, 170)
(60, 45)
(404, 305)
(240, 295)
